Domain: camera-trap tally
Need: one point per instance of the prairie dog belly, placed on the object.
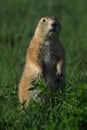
(48, 61)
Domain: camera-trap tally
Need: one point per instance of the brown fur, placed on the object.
(33, 69)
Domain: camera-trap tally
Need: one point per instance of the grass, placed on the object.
(18, 20)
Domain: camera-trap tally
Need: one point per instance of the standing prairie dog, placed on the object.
(45, 57)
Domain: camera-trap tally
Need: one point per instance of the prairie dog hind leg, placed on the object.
(30, 74)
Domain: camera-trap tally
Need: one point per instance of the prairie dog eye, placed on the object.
(44, 20)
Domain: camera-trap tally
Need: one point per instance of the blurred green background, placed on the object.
(18, 20)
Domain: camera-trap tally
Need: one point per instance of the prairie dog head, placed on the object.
(47, 27)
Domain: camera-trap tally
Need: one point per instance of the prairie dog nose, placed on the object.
(54, 24)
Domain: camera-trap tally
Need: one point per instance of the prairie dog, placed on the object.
(45, 57)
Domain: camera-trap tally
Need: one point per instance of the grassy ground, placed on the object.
(18, 20)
